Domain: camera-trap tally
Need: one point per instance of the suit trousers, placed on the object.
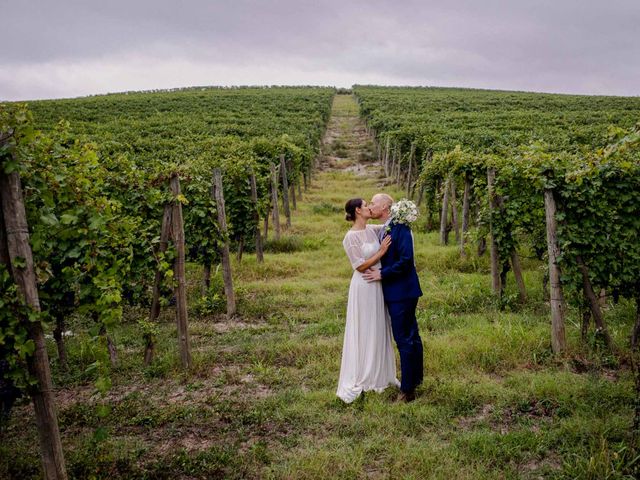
(405, 332)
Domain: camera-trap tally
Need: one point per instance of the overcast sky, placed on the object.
(67, 48)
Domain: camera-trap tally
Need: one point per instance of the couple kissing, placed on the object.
(382, 301)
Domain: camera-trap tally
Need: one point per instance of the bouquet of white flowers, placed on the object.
(404, 211)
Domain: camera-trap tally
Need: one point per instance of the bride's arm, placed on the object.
(370, 262)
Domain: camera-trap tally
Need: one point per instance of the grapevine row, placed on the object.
(504, 154)
(96, 175)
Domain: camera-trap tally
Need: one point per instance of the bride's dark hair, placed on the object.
(350, 208)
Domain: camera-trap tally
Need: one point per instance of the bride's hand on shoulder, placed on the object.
(384, 246)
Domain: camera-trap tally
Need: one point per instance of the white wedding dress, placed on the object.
(368, 359)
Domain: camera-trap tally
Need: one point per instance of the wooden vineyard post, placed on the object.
(454, 209)
(413, 152)
(58, 336)
(593, 302)
(635, 335)
(517, 273)
(165, 232)
(111, 348)
(465, 212)
(292, 194)
(206, 278)
(16, 235)
(226, 261)
(427, 159)
(438, 201)
(409, 180)
(444, 216)
(240, 249)
(558, 340)
(266, 226)
(294, 203)
(256, 217)
(398, 165)
(165, 235)
(420, 195)
(416, 177)
(285, 190)
(602, 298)
(4, 249)
(585, 312)
(177, 234)
(274, 201)
(392, 168)
(386, 158)
(481, 246)
(495, 260)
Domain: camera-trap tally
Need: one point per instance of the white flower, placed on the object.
(404, 211)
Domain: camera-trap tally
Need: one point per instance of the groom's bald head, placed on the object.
(380, 206)
(383, 198)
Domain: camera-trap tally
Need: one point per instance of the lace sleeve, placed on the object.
(353, 246)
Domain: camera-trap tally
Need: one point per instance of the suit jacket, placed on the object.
(399, 276)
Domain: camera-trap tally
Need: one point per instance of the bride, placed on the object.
(368, 360)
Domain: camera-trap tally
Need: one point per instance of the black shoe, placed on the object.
(406, 397)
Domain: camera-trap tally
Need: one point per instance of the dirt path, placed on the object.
(346, 145)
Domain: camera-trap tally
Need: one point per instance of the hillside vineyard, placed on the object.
(556, 175)
(110, 224)
(117, 207)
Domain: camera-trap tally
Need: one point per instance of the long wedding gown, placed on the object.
(368, 360)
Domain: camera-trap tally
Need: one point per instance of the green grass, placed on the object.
(259, 400)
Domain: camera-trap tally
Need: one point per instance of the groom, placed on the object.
(401, 290)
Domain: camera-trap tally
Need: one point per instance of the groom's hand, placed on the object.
(372, 275)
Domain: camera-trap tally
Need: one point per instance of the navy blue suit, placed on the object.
(401, 289)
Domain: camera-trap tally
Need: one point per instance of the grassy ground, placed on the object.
(260, 399)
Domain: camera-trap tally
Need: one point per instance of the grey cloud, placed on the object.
(566, 46)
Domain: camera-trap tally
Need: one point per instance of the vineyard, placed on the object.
(554, 175)
(153, 297)
(111, 197)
